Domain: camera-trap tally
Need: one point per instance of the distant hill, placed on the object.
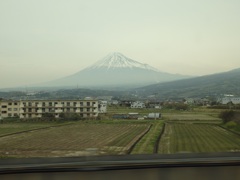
(215, 84)
(115, 70)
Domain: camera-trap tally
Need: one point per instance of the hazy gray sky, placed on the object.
(42, 40)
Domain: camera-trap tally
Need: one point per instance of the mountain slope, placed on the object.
(116, 70)
(222, 83)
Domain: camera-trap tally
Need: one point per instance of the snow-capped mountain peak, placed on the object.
(118, 60)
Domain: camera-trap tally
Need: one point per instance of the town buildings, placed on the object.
(138, 104)
(40, 108)
(233, 100)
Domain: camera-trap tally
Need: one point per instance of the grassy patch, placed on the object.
(146, 144)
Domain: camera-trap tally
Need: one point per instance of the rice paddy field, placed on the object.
(175, 132)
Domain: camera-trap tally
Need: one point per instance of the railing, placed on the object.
(58, 111)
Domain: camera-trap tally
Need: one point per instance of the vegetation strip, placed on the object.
(139, 138)
(35, 129)
(155, 150)
(234, 132)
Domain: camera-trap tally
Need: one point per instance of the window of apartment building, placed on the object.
(62, 103)
(15, 114)
(75, 109)
(55, 103)
(68, 109)
(43, 109)
(88, 109)
(9, 104)
(81, 109)
(81, 103)
(74, 103)
(29, 103)
(15, 109)
(43, 103)
(15, 103)
(4, 106)
(50, 103)
(9, 114)
(88, 103)
(4, 112)
(29, 109)
(9, 109)
(68, 103)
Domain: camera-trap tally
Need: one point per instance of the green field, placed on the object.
(194, 138)
(147, 143)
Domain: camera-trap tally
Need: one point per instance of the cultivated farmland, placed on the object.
(73, 140)
(16, 127)
(147, 144)
(176, 132)
(189, 137)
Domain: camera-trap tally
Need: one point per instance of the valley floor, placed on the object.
(177, 132)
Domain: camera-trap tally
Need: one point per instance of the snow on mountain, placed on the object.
(118, 60)
(116, 70)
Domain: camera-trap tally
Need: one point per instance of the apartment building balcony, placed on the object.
(58, 111)
(21, 111)
(39, 105)
(39, 111)
(58, 106)
(22, 105)
(78, 111)
(95, 105)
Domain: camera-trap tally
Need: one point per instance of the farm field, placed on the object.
(14, 127)
(179, 131)
(74, 140)
(196, 138)
(147, 143)
(190, 116)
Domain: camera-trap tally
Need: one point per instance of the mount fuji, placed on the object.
(116, 70)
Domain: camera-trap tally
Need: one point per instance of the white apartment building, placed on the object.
(234, 100)
(9, 109)
(138, 104)
(37, 108)
(102, 106)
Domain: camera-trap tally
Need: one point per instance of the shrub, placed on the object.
(231, 124)
(228, 116)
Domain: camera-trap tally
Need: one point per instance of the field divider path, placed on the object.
(138, 139)
(234, 132)
(34, 129)
(156, 146)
